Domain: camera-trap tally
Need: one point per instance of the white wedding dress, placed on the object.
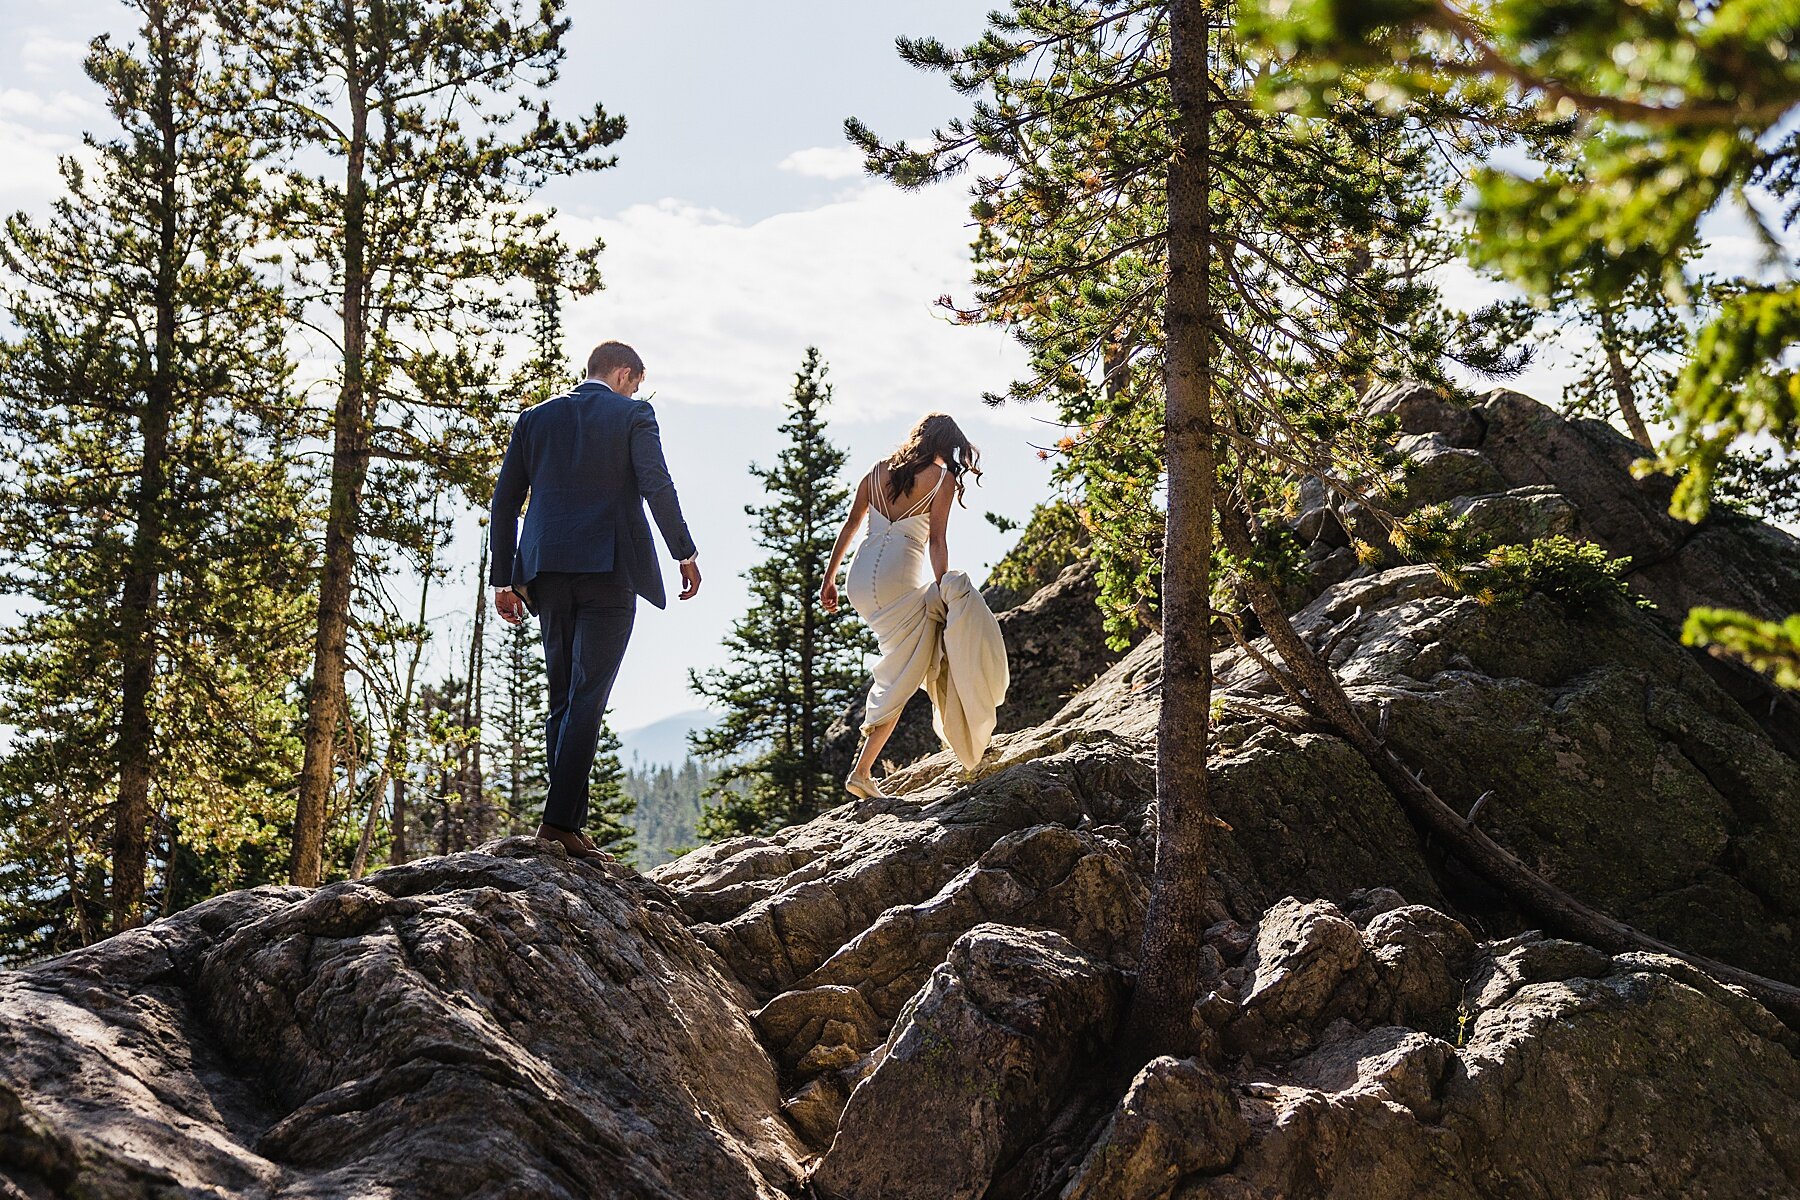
(936, 636)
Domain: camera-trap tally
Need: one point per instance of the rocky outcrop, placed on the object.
(495, 1023)
(1521, 471)
(978, 1060)
(1534, 1068)
(915, 996)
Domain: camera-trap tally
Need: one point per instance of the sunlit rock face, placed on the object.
(920, 996)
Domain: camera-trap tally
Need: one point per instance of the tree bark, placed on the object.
(1558, 910)
(141, 590)
(474, 801)
(398, 850)
(360, 862)
(809, 634)
(1623, 393)
(326, 705)
(1161, 1017)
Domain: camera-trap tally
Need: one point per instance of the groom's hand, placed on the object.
(510, 607)
(690, 579)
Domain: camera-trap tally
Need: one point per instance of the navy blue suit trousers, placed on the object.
(585, 619)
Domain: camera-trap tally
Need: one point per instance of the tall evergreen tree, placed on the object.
(150, 513)
(1693, 111)
(1204, 287)
(611, 806)
(524, 775)
(413, 130)
(792, 664)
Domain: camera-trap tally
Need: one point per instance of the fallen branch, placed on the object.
(1559, 911)
(1480, 802)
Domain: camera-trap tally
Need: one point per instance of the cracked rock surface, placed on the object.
(916, 996)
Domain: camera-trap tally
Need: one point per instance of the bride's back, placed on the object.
(910, 502)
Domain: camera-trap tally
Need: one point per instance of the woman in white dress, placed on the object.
(906, 499)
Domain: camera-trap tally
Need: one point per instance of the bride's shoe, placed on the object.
(862, 785)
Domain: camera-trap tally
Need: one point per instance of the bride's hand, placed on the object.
(828, 595)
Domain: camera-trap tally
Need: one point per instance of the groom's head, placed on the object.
(617, 366)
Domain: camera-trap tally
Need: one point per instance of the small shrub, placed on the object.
(1579, 576)
(1055, 536)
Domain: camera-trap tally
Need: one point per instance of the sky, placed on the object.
(739, 230)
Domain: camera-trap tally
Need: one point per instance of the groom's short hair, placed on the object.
(610, 356)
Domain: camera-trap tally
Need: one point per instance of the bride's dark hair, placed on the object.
(935, 436)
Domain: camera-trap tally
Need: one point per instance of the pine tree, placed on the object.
(1324, 217)
(1631, 336)
(1205, 287)
(1691, 109)
(610, 804)
(519, 727)
(150, 512)
(792, 664)
(412, 133)
(442, 802)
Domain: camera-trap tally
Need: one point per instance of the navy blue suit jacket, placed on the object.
(590, 460)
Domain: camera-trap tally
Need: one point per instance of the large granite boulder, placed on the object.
(1558, 1071)
(501, 1022)
(978, 1061)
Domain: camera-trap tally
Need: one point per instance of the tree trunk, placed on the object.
(77, 898)
(474, 801)
(1623, 393)
(445, 807)
(168, 896)
(131, 818)
(398, 751)
(361, 862)
(1558, 910)
(326, 705)
(1161, 1017)
(398, 851)
(809, 637)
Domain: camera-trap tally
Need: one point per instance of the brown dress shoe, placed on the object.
(572, 841)
(588, 843)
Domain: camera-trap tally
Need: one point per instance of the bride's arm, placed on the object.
(859, 509)
(940, 523)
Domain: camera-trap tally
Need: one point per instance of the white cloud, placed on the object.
(30, 180)
(825, 162)
(42, 54)
(722, 311)
(48, 106)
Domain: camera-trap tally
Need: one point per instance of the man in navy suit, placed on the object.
(590, 460)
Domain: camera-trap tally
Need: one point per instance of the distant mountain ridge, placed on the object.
(664, 741)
